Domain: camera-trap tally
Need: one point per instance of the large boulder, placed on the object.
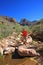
(23, 51)
(7, 46)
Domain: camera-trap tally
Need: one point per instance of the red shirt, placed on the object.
(24, 33)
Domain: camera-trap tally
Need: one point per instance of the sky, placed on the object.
(30, 9)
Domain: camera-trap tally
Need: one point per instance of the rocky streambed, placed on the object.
(10, 58)
(16, 60)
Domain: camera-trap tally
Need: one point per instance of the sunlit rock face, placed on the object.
(24, 51)
(7, 45)
(9, 50)
(9, 19)
(29, 39)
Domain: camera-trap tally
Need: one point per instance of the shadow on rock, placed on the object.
(15, 55)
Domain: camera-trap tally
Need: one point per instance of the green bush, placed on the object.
(27, 28)
(6, 30)
(18, 28)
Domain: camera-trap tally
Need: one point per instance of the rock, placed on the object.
(39, 42)
(24, 22)
(7, 45)
(8, 19)
(9, 50)
(1, 44)
(1, 50)
(23, 51)
(29, 39)
(37, 35)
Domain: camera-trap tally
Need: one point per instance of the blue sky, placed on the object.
(30, 9)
